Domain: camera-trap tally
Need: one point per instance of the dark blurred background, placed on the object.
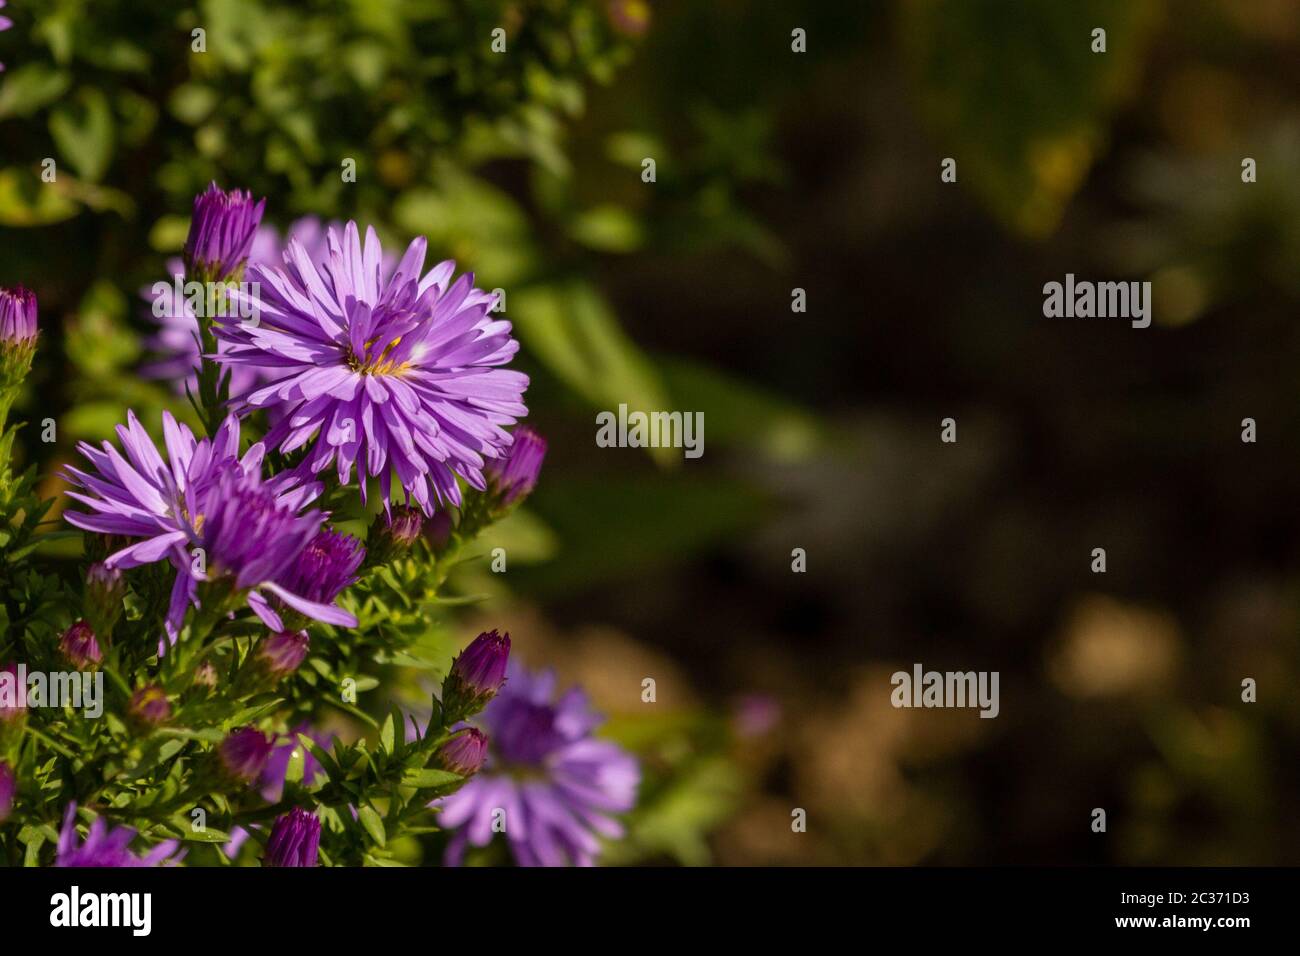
(821, 171)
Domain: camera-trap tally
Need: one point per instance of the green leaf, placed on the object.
(83, 131)
(430, 778)
(31, 87)
(373, 823)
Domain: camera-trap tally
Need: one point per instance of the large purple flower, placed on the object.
(105, 847)
(206, 500)
(394, 374)
(557, 784)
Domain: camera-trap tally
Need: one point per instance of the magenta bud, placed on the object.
(463, 754)
(513, 477)
(79, 647)
(282, 652)
(294, 840)
(8, 784)
(221, 232)
(149, 706)
(476, 675)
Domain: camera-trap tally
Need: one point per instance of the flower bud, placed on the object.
(221, 233)
(463, 754)
(391, 536)
(280, 654)
(294, 840)
(79, 647)
(513, 477)
(244, 753)
(437, 531)
(8, 784)
(17, 341)
(476, 675)
(149, 706)
(105, 588)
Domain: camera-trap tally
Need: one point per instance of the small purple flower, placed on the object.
(244, 753)
(326, 566)
(149, 706)
(8, 784)
(17, 312)
(104, 847)
(281, 652)
(556, 782)
(386, 374)
(476, 675)
(464, 754)
(393, 533)
(295, 838)
(514, 476)
(221, 232)
(79, 646)
(12, 709)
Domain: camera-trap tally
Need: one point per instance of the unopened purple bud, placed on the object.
(464, 754)
(392, 535)
(244, 753)
(79, 646)
(282, 652)
(105, 588)
(149, 706)
(8, 784)
(17, 315)
(514, 476)
(476, 675)
(221, 232)
(294, 840)
(17, 342)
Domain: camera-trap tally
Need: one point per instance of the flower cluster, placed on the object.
(239, 591)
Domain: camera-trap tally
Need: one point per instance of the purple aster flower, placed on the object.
(476, 675)
(104, 847)
(464, 754)
(557, 784)
(149, 706)
(8, 784)
(79, 646)
(244, 753)
(513, 477)
(221, 232)
(326, 566)
(203, 497)
(280, 653)
(389, 375)
(295, 838)
(176, 344)
(17, 312)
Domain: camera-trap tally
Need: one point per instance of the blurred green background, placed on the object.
(779, 170)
